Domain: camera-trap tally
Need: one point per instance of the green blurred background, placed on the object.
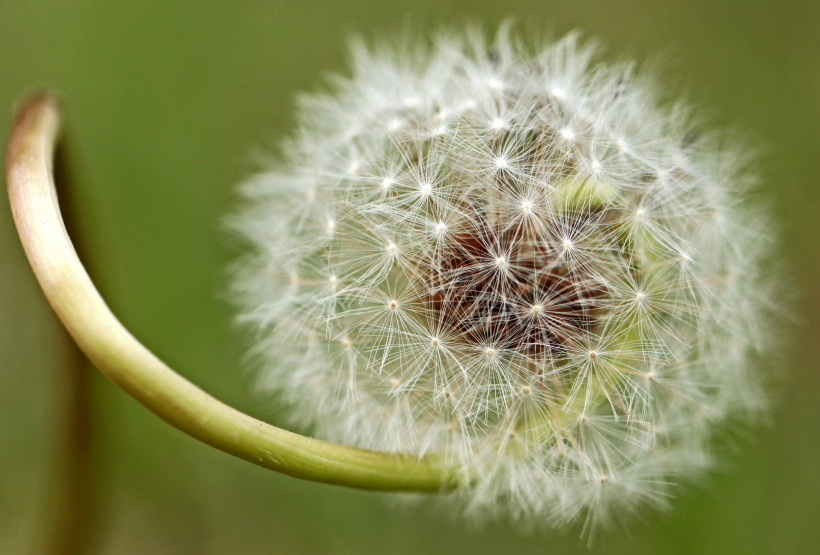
(166, 102)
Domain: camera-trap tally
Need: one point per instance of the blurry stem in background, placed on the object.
(73, 496)
(134, 368)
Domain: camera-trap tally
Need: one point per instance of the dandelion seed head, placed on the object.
(592, 317)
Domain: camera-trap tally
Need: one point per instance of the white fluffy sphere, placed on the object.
(516, 258)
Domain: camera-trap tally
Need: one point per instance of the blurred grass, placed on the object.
(166, 100)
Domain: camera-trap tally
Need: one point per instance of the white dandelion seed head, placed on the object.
(590, 319)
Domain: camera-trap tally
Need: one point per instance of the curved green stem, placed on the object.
(133, 367)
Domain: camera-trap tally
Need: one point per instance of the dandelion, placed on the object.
(560, 294)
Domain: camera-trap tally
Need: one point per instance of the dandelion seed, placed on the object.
(568, 134)
(498, 124)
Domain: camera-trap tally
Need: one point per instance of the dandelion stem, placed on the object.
(106, 342)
